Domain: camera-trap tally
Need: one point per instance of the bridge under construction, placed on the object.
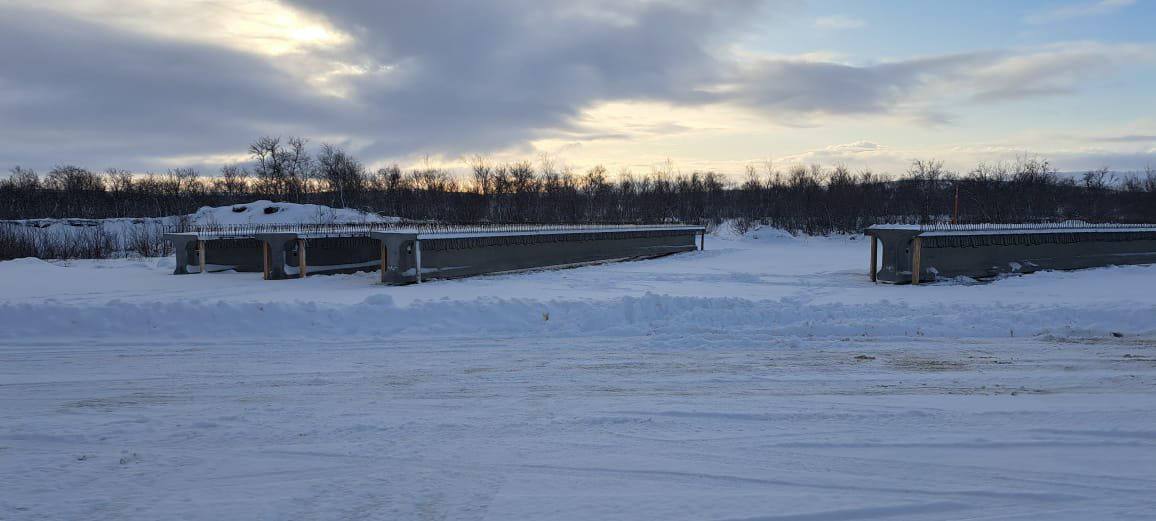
(925, 253)
(411, 254)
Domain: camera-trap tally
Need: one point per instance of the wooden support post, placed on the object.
(874, 255)
(417, 258)
(265, 259)
(201, 255)
(301, 266)
(384, 256)
(702, 240)
(916, 252)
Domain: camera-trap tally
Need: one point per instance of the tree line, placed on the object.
(807, 199)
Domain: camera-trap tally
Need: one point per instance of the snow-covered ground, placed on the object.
(759, 379)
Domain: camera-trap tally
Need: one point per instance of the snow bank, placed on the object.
(757, 232)
(256, 212)
(268, 212)
(651, 314)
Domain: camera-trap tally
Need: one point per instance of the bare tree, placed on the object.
(234, 180)
(73, 179)
(483, 173)
(24, 178)
(119, 181)
(342, 174)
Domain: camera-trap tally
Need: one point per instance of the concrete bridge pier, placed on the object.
(400, 257)
(274, 248)
(187, 250)
(897, 262)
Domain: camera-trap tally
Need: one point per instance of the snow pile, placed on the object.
(729, 230)
(268, 212)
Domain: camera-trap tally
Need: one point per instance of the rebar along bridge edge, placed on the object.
(1055, 227)
(429, 229)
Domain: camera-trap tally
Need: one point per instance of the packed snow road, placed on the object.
(759, 379)
(598, 428)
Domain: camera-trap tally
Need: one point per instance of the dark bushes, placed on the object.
(812, 200)
(142, 238)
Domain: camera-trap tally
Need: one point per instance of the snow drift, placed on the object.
(650, 314)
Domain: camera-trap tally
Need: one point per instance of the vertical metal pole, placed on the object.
(201, 255)
(301, 258)
(916, 252)
(383, 263)
(702, 240)
(874, 254)
(417, 259)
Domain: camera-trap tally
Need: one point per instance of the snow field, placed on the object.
(762, 379)
(574, 429)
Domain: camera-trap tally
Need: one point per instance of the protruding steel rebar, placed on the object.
(223, 231)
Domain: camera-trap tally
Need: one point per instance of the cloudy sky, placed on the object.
(155, 84)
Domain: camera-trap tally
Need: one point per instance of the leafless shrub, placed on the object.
(742, 225)
(15, 242)
(147, 240)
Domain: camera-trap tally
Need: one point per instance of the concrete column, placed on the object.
(893, 254)
(276, 244)
(916, 259)
(184, 249)
(400, 266)
(302, 267)
(201, 256)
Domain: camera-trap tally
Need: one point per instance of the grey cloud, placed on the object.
(824, 87)
(921, 88)
(1047, 72)
(1129, 138)
(482, 75)
(450, 77)
(1078, 10)
(784, 86)
(1116, 161)
(75, 92)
